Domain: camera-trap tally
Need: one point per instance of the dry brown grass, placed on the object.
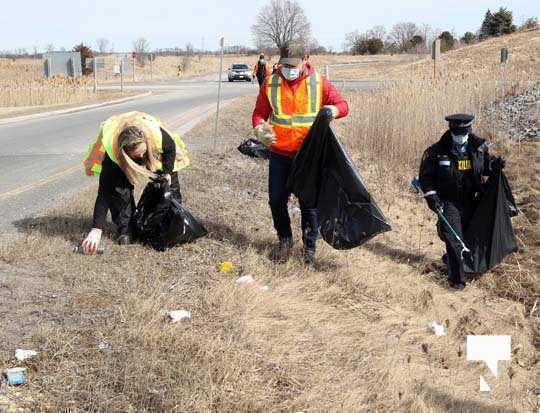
(348, 336)
(23, 89)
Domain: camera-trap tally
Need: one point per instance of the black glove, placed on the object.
(434, 203)
(498, 163)
(327, 113)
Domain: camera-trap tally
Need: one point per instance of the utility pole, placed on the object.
(94, 69)
(435, 55)
(221, 43)
(134, 68)
(122, 75)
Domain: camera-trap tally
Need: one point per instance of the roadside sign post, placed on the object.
(94, 69)
(504, 60)
(435, 55)
(221, 43)
(504, 55)
(122, 76)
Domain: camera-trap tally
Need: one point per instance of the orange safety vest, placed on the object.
(293, 114)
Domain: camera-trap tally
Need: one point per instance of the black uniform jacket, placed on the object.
(442, 169)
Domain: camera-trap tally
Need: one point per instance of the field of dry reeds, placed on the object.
(349, 335)
(23, 89)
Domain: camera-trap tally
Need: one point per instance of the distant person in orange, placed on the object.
(288, 103)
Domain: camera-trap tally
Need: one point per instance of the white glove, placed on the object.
(335, 111)
(92, 241)
(264, 134)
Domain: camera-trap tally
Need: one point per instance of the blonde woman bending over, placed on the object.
(130, 149)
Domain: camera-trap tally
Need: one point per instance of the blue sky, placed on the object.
(167, 23)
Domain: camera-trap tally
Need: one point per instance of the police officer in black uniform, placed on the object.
(451, 178)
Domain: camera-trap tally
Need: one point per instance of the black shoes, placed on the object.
(124, 239)
(308, 255)
(283, 250)
(457, 285)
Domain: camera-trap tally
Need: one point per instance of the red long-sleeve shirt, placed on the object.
(331, 96)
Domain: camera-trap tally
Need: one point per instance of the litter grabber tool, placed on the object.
(465, 253)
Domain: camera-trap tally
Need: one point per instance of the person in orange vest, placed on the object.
(288, 103)
(129, 149)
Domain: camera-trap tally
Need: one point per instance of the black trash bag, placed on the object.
(490, 236)
(324, 176)
(253, 148)
(161, 221)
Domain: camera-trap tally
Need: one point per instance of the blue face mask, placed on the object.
(290, 73)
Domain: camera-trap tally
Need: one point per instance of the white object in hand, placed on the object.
(265, 134)
(179, 315)
(436, 328)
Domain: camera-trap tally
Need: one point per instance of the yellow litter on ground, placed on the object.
(226, 266)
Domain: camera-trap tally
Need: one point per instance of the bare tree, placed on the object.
(188, 55)
(279, 23)
(402, 33)
(49, 47)
(352, 38)
(377, 32)
(141, 48)
(103, 45)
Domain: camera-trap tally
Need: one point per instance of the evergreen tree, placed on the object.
(468, 38)
(447, 41)
(86, 53)
(503, 22)
(487, 24)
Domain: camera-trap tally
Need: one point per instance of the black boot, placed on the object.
(308, 254)
(124, 239)
(283, 250)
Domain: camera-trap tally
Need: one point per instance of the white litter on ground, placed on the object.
(245, 280)
(436, 328)
(22, 355)
(179, 315)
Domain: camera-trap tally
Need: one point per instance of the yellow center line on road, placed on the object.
(175, 123)
(40, 182)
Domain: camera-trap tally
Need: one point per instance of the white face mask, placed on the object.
(290, 73)
(460, 139)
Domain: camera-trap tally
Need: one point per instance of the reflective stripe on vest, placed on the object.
(107, 141)
(291, 123)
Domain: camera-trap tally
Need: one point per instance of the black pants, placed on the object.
(459, 216)
(122, 203)
(280, 168)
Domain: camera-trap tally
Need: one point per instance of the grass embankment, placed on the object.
(347, 336)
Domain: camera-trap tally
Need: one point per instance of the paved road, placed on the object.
(40, 159)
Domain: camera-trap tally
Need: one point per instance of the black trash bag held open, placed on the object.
(253, 148)
(161, 221)
(490, 236)
(324, 176)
